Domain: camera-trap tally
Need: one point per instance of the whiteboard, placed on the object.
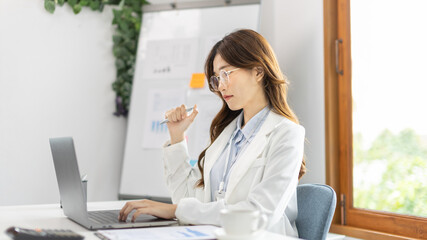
(172, 46)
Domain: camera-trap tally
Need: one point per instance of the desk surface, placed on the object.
(51, 216)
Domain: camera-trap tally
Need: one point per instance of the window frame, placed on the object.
(348, 220)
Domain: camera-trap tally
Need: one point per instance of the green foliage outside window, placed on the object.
(127, 19)
(400, 162)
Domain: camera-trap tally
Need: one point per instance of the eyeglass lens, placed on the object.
(214, 80)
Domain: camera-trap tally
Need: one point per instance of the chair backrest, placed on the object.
(316, 207)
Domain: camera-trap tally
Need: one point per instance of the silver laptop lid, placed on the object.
(68, 177)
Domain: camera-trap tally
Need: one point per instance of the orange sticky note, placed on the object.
(197, 80)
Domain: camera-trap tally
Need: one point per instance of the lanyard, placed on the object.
(221, 184)
(220, 194)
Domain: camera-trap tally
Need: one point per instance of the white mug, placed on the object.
(242, 222)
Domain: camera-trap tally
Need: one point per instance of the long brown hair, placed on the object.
(248, 49)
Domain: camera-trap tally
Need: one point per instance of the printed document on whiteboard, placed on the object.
(167, 59)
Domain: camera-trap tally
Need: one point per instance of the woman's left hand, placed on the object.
(158, 209)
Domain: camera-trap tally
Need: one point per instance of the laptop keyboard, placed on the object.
(104, 216)
(112, 216)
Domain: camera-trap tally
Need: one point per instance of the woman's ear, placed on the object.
(259, 73)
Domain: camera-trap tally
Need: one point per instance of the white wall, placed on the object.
(56, 72)
(295, 30)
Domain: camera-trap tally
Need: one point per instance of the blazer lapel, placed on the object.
(252, 151)
(213, 153)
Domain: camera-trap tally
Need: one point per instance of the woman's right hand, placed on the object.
(179, 122)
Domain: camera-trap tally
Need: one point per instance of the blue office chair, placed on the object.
(316, 207)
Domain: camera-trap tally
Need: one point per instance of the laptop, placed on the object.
(72, 195)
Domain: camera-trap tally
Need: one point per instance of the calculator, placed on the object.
(39, 234)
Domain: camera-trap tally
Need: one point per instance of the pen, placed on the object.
(101, 236)
(167, 120)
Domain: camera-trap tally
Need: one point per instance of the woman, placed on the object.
(255, 157)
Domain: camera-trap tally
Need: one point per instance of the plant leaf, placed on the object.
(115, 86)
(122, 2)
(117, 39)
(120, 64)
(77, 8)
(49, 5)
(101, 6)
(72, 2)
(84, 2)
(94, 5)
(124, 26)
(61, 2)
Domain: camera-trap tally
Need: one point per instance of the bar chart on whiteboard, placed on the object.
(159, 101)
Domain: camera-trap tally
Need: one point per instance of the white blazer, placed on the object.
(264, 177)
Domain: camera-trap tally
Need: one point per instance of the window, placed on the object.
(375, 55)
(389, 83)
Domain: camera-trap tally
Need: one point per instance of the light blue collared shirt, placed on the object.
(238, 144)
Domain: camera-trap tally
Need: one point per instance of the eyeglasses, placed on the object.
(223, 77)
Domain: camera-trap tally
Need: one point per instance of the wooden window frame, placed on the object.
(366, 224)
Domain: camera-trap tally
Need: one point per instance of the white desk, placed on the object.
(51, 216)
